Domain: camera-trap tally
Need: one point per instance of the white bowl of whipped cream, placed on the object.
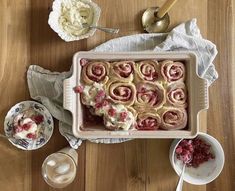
(68, 17)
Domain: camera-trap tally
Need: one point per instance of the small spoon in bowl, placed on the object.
(181, 180)
(104, 29)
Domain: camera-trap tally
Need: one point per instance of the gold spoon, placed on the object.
(155, 19)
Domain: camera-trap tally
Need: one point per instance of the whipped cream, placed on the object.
(74, 14)
(27, 124)
(122, 119)
(101, 110)
(89, 93)
(24, 133)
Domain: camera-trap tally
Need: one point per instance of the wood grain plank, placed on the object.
(221, 121)
(116, 167)
(126, 15)
(49, 51)
(15, 165)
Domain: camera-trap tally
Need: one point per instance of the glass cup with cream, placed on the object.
(59, 169)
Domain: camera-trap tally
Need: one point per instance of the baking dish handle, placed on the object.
(202, 102)
(69, 95)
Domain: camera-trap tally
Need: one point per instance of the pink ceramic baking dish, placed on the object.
(197, 96)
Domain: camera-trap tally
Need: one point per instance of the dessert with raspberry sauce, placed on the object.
(196, 150)
(27, 125)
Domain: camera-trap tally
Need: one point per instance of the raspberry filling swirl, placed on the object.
(174, 118)
(95, 72)
(123, 69)
(123, 93)
(173, 71)
(176, 95)
(148, 70)
(148, 121)
(149, 95)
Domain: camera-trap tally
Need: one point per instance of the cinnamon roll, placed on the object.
(95, 72)
(147, 70)
(122, 71)
(177, 95)
(148, 121)
(121, 92)
(149, 95)
(132, 110)
(172, 71)
(173, 118)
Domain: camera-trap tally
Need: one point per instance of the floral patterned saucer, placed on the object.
(46, 128)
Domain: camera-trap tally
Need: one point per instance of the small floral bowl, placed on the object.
(55, 14)
(46, 128)
(205, 172)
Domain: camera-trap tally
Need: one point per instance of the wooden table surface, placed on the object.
(139, 165)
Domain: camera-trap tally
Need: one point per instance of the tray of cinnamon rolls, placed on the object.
(135, 95)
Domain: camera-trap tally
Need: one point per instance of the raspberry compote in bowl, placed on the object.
(204, 158)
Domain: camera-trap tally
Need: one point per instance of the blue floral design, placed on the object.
(22, 142)
(9, 127)
(49, 121)
(40, 141)
(36, 106)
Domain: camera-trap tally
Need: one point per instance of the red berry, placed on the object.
(100, 93)
(100, 96)
(196, 149)
(26, 126)
(38, 119)
(178, 150)
(105, 103)
(83, 62)
(78, 89)
(31, 136)
(183, 143)
(98, 105)
(190, 148)
(123, 116)
(18, 129)
(112, 112)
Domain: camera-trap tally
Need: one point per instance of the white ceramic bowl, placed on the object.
(54, 15)
(207, 171)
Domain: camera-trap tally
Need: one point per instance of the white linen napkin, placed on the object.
(47, 87)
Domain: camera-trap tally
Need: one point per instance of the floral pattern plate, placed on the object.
(46, 128)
